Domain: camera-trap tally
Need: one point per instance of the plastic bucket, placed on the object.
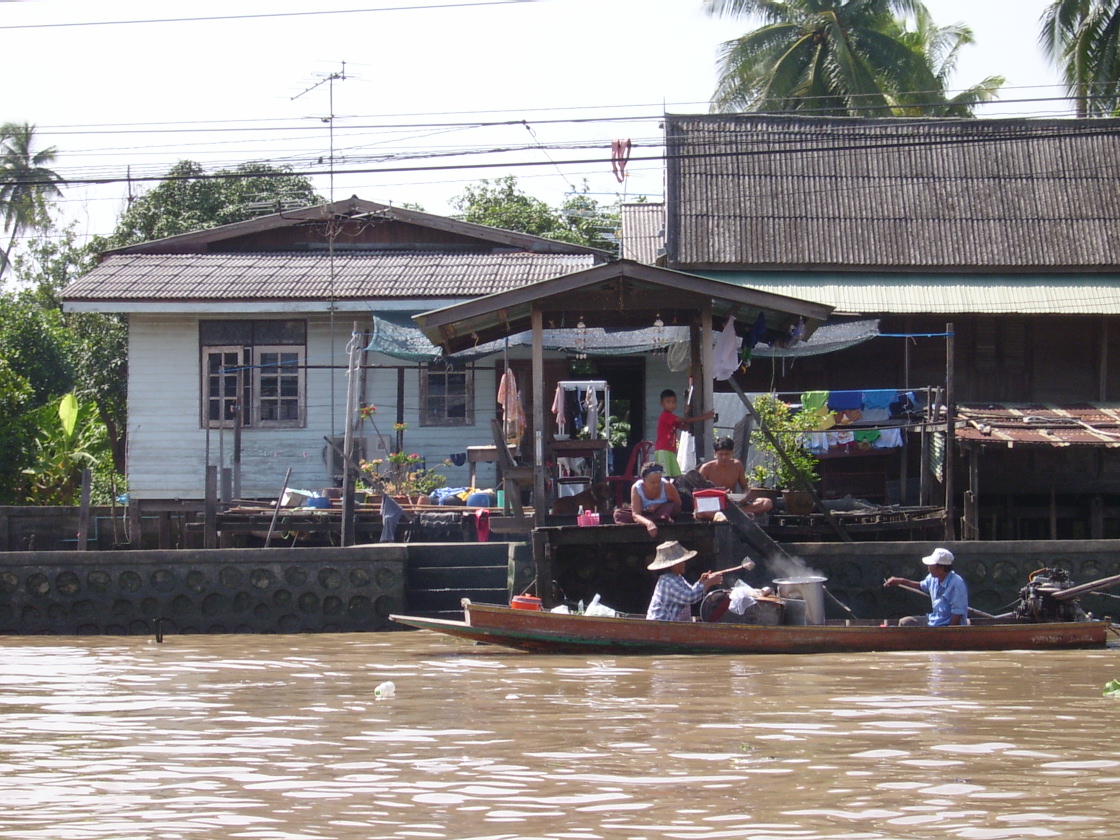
(808, 588)
(525, 602)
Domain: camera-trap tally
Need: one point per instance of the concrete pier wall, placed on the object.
(199, 591)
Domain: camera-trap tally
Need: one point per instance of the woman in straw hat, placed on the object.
(674, 596)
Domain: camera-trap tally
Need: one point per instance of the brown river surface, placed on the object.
(282, 738)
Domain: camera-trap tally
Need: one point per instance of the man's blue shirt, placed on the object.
(949, 597)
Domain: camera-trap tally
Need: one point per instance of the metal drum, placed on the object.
(807, 588)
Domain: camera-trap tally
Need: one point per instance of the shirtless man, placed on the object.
(727, 473)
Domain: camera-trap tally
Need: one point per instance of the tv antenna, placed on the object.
(329, 80)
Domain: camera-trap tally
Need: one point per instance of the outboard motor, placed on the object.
(1037, 602)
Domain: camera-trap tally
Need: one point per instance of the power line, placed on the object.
(264, 15)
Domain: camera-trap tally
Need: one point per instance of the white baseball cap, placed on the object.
(939, 557)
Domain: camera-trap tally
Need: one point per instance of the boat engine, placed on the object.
(1037, 602)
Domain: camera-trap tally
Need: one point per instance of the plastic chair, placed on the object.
(621, 484)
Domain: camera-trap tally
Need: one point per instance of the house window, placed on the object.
(260, 364)
(446, 395)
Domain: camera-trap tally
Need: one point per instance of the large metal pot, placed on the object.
(807, 588)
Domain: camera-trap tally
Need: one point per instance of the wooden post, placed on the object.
(970, 529)
(348, 476)
(1096, 517)
(135, 525)
(226, 485)
(399, 438)
(705, 385)
(238, 417)
(1103, 389)
(540, 487)
(210, 526)
(1053, 513)
(83, 511)
(950, 436)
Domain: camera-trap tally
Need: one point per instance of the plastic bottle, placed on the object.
(385, 691)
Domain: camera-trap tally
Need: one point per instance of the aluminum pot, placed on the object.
(807, 588)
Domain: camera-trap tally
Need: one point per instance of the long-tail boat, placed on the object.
(549, 632)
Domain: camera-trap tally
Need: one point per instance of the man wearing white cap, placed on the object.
(947, 591)
(674, 596)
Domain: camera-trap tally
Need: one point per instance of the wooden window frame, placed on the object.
(257, 387)
(437, 370)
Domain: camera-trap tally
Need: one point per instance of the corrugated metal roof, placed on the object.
(747, 190)
(643, 231)
(987, 294)
(283, 276)
(1035, 424)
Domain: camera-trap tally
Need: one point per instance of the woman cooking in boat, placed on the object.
(674, 596)
(653, 498)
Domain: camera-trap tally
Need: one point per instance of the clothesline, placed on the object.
(917, 335)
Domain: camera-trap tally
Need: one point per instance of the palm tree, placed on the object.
(1082, 37)
(941, 46)
(842, 58)
(26, 184)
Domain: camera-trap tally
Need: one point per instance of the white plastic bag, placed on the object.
(742, 597)
(595, 608)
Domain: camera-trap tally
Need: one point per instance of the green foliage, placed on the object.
(191, 199)
(70, 438)
(95, 344)
(1082, 38)
(17, 433)
(789, 429)
(843, 58)
(501, 203)
(620, 431)
(36, 346)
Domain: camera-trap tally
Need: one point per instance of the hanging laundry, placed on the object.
(816, 403)
(725, 354)
(482, 524)
(513, 411)
(754, 337)
(877, 405)
(458, 458)
(845, 400)
(591, 404)
(391, 514)
(560, 410)
(866, 436)
(888, 439)
(620, 156)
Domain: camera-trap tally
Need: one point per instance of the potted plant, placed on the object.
(789, 429)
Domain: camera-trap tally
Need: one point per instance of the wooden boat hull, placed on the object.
(545, 632)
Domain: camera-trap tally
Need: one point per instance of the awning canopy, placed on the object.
(622, 294)
(1035, 425)
(395, 335)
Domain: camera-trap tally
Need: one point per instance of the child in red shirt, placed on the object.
(665, 444)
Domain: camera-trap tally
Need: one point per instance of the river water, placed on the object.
(281, 737)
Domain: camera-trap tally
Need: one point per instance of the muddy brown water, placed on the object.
(281, 738)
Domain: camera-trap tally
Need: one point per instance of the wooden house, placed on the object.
(256, 317)
(1007, 229)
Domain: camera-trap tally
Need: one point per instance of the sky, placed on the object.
(125, 89)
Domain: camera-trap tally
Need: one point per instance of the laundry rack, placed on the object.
(596, 449)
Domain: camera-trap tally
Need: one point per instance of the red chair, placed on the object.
(621, 484)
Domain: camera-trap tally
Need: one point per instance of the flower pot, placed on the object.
(798, 502)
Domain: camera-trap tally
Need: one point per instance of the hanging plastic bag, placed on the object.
(686, 452)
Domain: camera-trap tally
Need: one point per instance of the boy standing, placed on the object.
(665, 444)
